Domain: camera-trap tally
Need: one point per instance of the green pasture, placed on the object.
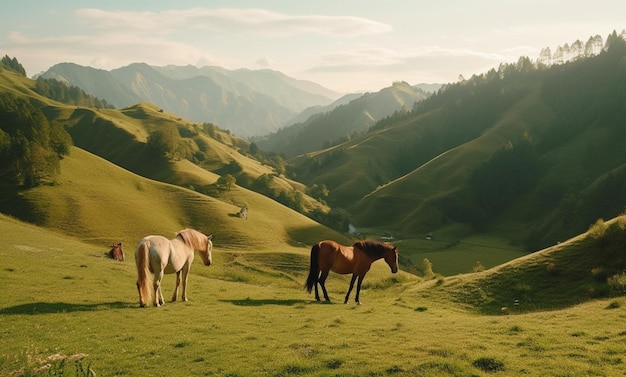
(248, 315)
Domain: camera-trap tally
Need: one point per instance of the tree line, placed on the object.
(30, 147)
(69, 94)
(13, 65)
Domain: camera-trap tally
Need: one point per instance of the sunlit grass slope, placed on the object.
(99, 202)
(564, 275)
(64, 297)
(120, 137)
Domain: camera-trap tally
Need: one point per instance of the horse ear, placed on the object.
(209, 237)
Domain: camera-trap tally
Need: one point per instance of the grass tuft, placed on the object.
(488, 364)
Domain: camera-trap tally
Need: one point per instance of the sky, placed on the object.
(346, 46)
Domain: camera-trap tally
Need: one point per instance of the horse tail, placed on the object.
(311, 280)
(142, 259)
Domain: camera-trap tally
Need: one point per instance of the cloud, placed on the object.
(230, 20)
(107, 51)
(371, 57)
(264, 62)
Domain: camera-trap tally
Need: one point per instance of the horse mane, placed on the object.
(373, 248)
(193, 239)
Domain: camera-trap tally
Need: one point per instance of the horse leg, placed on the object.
(322, 281)
(317, 293)
(185, 276)
(158, 295)
(177, 285)
(142, 302)
(350, 289)
(358, 290)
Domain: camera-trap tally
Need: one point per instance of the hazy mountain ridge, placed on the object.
(343, 121)
(97, 82)
(243, 101)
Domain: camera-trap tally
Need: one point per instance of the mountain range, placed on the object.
(246, 102)
(342, 121)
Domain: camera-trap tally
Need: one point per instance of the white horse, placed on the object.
(158, 255)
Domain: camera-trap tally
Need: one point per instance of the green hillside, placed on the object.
(96, 201)
(115, 187)
(586, 267)
(526, 154)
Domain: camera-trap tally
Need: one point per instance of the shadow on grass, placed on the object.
(262, 302)
(62, 307)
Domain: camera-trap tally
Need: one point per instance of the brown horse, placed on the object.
(116, 252)
(356, 259)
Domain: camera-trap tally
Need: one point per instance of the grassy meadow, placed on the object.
(248, 315)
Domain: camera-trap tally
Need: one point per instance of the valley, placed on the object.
(504, 193)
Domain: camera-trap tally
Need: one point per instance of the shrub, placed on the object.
(478, 267)
(334, 364)
(394, 369)
(599, 274)
(617, 283)
(551, 268)
(614, 305)
(597, 230)
(621, 222)
(428, 269)
(522, 288)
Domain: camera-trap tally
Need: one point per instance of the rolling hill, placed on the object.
(113, 187)
(588, 266)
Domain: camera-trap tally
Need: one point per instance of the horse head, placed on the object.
(391, 257)
(206, 255)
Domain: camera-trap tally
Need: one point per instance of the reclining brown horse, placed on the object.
(116, 252)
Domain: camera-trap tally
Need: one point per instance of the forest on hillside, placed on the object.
(30, 147)
(583, 102)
